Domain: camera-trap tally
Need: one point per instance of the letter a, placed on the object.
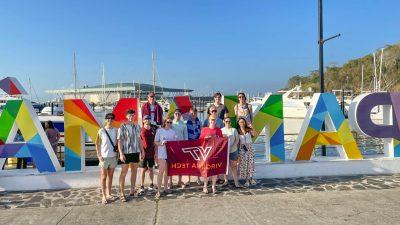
(19, 114)
(324, 107)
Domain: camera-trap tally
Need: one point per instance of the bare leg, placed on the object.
(124, 171)
(143, 176)
(233, 167)
(166, 175)
(103, 181)
(205, 190)
(151, 172)
(110, 175)
(214, 182)
(161, 170)
(133, 167)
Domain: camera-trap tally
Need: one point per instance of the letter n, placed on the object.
(324, 107)
(78, 117)
(19, 114)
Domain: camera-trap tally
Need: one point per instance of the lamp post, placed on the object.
(321, 42)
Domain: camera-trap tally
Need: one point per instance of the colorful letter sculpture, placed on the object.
(11, 86)
(78, 117)
(182, 103)
(122, 106)
(325, 106)
(360, 119)
(269, 116)
(19, 114)
(230, 101)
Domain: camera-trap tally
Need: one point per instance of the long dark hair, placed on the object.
(246, 126)
(49, 124)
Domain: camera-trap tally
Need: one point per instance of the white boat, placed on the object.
(48, 111)
(295, 106)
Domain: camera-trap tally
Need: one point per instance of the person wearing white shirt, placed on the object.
(163, 135)
(106, 152)
(181, 135)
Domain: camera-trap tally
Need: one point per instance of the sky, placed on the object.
(205, 45)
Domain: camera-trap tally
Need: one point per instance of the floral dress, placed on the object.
(246, 167)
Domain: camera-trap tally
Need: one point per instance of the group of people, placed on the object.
(145, 146)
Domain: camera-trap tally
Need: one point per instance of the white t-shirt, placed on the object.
(164, 135)
(106, 148)
(233, 135)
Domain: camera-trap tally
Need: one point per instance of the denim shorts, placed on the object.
(233, 156)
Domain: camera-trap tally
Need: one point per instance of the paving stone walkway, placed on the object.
(89, 196)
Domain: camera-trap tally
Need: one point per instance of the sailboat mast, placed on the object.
(75, 77)
(103, 81)
(30, 89)
(375, 78)
(380, 71)
(153, 59)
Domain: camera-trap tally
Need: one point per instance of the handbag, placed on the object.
(115, 148)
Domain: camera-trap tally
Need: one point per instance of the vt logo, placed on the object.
(198, 152)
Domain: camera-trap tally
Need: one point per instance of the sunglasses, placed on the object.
(227, 121)
(151, 96)
(214, 111)
(168, 122)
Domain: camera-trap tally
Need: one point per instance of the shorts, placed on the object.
(132, 158)
(233, 156)
(147, 163)
(108, 163)
(162, 153)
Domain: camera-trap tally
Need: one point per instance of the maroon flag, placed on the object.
(203, 157)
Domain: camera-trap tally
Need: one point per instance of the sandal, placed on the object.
(111, 198)
(133, 193)
(205, 190)
(238, 186)
(104, 201)
(122, 198)
(225, 183)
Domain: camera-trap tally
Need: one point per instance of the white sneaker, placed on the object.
(151, 187)
(141, 190)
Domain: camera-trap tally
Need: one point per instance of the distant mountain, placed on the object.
(348, 76)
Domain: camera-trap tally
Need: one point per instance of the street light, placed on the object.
(321, 42)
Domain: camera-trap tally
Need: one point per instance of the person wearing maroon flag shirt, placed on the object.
(209, 132)
(147, 157)
(153, 109)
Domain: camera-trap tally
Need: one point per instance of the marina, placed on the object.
(199, 112)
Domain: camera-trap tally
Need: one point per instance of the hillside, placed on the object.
(348, 76)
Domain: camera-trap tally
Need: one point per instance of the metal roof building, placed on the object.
(110, 93)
